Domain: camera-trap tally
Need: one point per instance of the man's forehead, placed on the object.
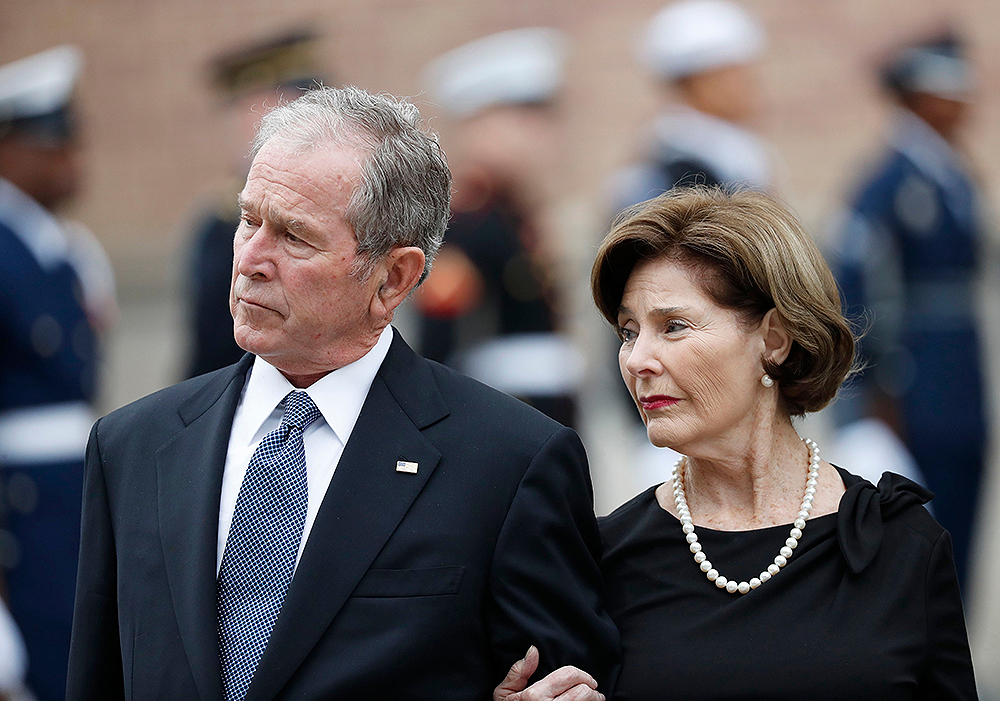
(322, 177)
(285, 205)
(326, 158)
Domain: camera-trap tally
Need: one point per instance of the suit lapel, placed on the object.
(189, 482)
(364, 504)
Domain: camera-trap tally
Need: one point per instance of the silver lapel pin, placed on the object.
(403, 466)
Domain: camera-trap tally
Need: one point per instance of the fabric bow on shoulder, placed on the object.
(865, 508)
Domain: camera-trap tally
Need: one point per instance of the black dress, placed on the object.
(867, 608)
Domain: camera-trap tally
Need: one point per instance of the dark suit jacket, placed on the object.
(411, 586)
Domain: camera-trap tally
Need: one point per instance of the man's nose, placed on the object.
(254, 252)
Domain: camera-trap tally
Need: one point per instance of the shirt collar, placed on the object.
(339, 396)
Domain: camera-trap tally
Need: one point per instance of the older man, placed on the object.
(333, 517)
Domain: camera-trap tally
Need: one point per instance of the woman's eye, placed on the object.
(674, 326)
(626, 335)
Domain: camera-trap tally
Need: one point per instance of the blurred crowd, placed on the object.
(909, 248)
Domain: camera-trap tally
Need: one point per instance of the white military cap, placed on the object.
(521, 66)
(39, 84)
(692, 36)
(937, 66)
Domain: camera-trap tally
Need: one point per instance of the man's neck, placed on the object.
(301, 379)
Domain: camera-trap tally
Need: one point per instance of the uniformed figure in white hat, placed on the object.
(910, 256)
(488, 306)
(56, 293)
(703, 54)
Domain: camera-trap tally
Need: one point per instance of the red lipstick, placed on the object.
(657, 401)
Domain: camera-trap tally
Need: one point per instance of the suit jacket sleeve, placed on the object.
(95, 662)
(545, 577)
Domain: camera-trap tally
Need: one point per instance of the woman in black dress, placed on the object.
(759, 571)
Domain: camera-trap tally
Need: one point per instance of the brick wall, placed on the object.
(156, 144)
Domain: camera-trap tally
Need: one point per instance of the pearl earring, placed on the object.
(767, 381)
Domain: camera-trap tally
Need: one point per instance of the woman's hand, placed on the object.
(564, 684)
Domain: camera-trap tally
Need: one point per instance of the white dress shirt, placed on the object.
(339, 397)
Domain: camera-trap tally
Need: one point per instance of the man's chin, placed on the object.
(252, 340)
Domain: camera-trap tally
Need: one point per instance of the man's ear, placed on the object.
(398, 274)
(777, 341)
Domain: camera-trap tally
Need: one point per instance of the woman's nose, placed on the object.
(642, 359)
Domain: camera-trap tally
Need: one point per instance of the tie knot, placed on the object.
(300, 410)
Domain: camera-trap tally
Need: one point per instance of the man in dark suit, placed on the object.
(333, 517)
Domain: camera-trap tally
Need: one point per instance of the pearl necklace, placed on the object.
(680, 501)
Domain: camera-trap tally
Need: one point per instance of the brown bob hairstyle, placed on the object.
(750, 255)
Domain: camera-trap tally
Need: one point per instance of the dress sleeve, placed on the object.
(545, 580)
(948, 674)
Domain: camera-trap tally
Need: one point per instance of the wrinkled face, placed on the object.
(295, 298)
(692, 367)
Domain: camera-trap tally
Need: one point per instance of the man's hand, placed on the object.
(564, 684)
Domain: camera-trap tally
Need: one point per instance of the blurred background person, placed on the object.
(56, 295)
(491, 306)
(907, 263)
(704, 56)
(249, 81)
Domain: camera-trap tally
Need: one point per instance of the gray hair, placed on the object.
(404, 195)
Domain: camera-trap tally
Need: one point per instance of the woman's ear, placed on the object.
(777, 341)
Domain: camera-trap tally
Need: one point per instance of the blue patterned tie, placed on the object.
(263, 543)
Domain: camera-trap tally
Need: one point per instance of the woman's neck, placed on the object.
(757, 483)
